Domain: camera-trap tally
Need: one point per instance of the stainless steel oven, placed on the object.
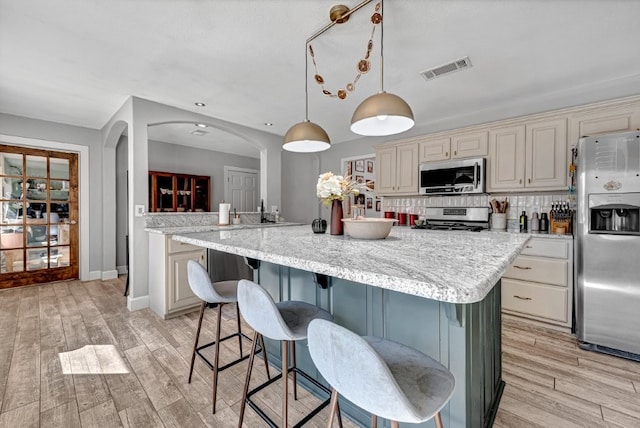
(453, 177)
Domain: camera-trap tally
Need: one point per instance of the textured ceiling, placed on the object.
(77, 61)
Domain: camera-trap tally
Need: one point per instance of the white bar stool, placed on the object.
(212, 295)
(385, 378)
(284, 321)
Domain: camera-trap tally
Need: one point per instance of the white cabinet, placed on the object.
(169, 290)
(397, 169)
(474, 144)
(603, 121)
(528, 157)
(539, 283)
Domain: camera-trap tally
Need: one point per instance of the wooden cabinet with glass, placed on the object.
(169, 192)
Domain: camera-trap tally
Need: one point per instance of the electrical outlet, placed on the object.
(139, 210)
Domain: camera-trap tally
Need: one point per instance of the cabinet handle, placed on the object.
(529, 180)
(522, 298)
(446, 154)
(528, 246)
(520, 181)
(522, 267)
(455, 152)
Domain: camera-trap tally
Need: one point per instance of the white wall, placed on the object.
(180, 159)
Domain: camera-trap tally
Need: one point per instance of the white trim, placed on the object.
(83, 184)
(353, 158)
(109, 274)
(93, 275)
(137, 303)
(122, 269)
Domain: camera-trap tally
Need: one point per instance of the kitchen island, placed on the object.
(436, 291)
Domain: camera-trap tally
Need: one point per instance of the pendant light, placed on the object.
(383, 113)
(306, 137)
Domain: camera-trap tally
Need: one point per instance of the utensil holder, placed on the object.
(499, 221)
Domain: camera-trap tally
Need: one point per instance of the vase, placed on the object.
(336, 218)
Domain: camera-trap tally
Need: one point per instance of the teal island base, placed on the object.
(466, 338)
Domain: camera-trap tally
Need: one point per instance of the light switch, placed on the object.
(139, 210)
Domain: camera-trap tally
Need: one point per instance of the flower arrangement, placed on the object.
(335, 187)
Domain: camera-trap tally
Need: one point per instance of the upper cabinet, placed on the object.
(170, 192)
(457, 146)
(604, 121)
(528, 157)
(397, 169)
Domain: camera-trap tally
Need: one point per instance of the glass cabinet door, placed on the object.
(201, 193)
(164, 192)
(183, 190)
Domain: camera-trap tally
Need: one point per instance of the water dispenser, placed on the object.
(615, 214)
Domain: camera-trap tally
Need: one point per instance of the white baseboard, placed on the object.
(109, 274)
(94, 274)
(137, 303)
(122, 270)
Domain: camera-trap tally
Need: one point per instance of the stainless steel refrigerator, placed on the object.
(607, 251)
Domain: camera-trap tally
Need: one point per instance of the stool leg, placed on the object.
(332, 407)
(285, 383)
(374, 421)
(438, 419)
(239, 328)
(293, 363)
(245, 391)
(216, 357)
(264, 356)
(195, 345)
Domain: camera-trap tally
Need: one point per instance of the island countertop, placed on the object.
(455, 267)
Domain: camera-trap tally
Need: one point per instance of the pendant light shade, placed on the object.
(382, 114)
(306, 137)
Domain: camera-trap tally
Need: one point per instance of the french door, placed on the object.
(38, 216)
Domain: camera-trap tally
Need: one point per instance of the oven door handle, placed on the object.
(475, 175)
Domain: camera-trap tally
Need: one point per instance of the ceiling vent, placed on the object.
(459, 64)
(198, 132)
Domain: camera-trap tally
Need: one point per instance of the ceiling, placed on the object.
(77, 61)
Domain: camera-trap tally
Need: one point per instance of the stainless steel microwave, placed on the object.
(453, 177)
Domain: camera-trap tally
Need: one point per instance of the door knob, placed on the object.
(73, 222)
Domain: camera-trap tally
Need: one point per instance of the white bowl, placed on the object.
(368, 228)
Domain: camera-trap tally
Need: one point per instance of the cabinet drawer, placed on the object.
(535, 269)
(555, 248)
(544, 301)
(180, 247)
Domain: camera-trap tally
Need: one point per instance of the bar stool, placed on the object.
(212, 295)
(284, 321)
(385, 378)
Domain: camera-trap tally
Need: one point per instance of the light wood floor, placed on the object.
(550, 383)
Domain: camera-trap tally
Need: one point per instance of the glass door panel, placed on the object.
(201, 194)
(38, 216)
(183, 190)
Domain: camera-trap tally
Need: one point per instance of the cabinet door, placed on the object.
(201, 191)
(506, 158)
(435, 150)
(608, 121)
(407, 168)
(469, 145)
(546, 155)
(179, 294)
(386, 170)
(183, 192)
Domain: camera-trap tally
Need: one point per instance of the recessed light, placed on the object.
(200, 104)
(201, 125)
(268, 124)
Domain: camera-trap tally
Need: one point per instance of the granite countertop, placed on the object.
(456, 267)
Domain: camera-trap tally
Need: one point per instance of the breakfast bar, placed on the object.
(437, 292)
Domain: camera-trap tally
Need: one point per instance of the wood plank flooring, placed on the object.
(550, 382)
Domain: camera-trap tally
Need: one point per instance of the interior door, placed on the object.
(242, 190)
(38, 216)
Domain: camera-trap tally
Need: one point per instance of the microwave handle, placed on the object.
(475, 175)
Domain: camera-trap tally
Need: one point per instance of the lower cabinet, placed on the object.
(169, 290)
(539, 283)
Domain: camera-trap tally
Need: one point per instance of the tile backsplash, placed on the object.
(517, 203)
